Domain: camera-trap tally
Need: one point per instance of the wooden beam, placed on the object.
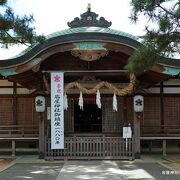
(160, 138)
(90, 71)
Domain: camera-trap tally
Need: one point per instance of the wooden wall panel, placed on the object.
(172, 110)
(68, 117)
(152, 116)
(112, 121)
(6, 111)
(130, 109)
(26, 114)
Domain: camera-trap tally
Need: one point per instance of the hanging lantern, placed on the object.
(138, 103)
(40, 103)
(65, 102)
(98, 99)
(81, 101)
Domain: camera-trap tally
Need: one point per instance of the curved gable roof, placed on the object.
(72, 35)
(86, 28)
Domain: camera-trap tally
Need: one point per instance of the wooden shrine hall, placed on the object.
(99, 96)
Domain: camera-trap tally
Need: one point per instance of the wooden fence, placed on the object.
(18, 131)
(92, 148)
(161, 130)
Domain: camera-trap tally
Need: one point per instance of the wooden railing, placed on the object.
(92, 148)
(18, 131)
(161, 130)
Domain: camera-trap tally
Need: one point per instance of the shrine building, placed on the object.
(99, 110)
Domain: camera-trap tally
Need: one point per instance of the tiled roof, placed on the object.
(82, 30)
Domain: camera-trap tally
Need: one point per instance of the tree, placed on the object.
(15, 29)
(162, 38)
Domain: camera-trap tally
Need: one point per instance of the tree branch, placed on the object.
(16, 40)
(169, 12)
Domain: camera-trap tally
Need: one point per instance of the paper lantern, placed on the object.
(138, 103)
(40, 103)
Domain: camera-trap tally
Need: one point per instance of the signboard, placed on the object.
(127, 132)
(57, 110)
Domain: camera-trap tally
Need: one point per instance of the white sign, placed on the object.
(127, 132)
(57, 110)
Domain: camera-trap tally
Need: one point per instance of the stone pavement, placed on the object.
(89, 170)
(173, 161)
(30, 167)
(114, 170)
(20, 171)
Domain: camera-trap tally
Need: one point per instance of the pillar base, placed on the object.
(137, 155)
(41, 155)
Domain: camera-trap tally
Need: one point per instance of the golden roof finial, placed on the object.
(89, 7)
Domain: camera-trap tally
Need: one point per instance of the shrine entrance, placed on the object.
(87, 120)
(92, 132)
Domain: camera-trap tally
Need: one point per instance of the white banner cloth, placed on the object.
(57, 110)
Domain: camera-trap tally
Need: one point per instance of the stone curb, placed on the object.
(8, 165)
(166, 166)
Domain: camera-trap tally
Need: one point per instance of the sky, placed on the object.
(51, 16)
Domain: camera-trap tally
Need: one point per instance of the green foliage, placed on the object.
(3, 2)
(164, 40)
(142, 59)
(177, 12)
(16, 29)
(164, 23)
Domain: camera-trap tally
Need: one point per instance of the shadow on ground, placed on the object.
(32, 171)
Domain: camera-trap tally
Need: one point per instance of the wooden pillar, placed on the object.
(125, 110)
(13, 147)
(162, 106)
(14, 103)
(164, 147)
(41, 135)
(150, 146)
(137, 119)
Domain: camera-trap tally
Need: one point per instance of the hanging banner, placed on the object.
(57, 110)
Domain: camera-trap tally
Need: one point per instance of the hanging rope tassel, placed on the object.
(115, 103)
(81, 101)
(65, 102)
(98, 99)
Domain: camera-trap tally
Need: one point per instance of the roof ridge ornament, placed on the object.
(89, 7)
(89, 19)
